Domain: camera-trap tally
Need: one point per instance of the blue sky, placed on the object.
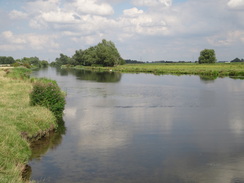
(146, 30)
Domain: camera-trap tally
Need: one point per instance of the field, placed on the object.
(19, 122)
(218, 69)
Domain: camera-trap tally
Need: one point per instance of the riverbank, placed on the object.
(20, 123)
(218, 69)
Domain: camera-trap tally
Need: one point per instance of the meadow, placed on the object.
(218, 69)
(20, 122)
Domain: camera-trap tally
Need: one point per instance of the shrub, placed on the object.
(48, 94)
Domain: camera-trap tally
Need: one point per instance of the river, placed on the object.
(143, 128)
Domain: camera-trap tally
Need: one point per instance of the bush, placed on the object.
(48, 94)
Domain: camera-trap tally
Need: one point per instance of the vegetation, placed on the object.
(31, 62)
(19, 73)
(6, 60)
(129, 61)
(103, 54)
(207, 56)
(19, 122)
(217, 69)
(237, 60)
(48, 94)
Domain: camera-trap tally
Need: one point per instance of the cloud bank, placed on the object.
(141, 29)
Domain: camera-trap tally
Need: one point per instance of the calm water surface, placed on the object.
(142, 128)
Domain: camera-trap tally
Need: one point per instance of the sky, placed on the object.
(145, 30)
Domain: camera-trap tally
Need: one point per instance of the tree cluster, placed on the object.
(26, 62)
(103, 54)
(31, 62)
(6, 60)
(237, 60)
(207, 56)
(129, 61)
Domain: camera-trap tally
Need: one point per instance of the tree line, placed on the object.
(6, 60)
(26, 62)
(237, 60)
(103, 54)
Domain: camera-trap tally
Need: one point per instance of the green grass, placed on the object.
(218, 69)
(18, 121)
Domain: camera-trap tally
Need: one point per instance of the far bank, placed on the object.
(217, 69)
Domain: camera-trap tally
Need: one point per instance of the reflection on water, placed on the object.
(207, 78)
(90, 75)
(143, 128)
(40, 147)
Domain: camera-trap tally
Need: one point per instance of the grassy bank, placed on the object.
(218, 69)
(18, 122)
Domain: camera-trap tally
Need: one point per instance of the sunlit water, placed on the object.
(142, 128)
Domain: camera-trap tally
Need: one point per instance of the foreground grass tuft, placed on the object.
(18, 121)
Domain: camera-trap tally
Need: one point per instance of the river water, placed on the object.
(142, 128)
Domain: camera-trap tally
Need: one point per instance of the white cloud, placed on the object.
(136, 21)
(236, 4)
(227, 39)
(93, 7)
(8, 35)
(133, 12)
(166, 27)
(152, 3)
(9, 47)
(28, 41)
(34, 7)
(59, 16)
(17, 15)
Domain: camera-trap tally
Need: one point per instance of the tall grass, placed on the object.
(18, 121)
(19, 73)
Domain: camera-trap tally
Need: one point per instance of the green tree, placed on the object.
(207, 56)
(237, 60)
(6, 60)
(90, 56)
(108, 54)
(62, 60)
(104, 54)
(44, 63)
(34, 61)
(78, 57)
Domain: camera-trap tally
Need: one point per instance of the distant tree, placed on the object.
(30, 62)
(104, 54)
(237, 60)
(35, 61)
(90, 56)
(78, 57)
(129, 61)
(62, 60)
(44, 63)
(6, 60)
(53, 64)
(207, 56)
(108, 54)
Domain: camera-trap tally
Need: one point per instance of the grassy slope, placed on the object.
(18, 118)
(218, 69)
